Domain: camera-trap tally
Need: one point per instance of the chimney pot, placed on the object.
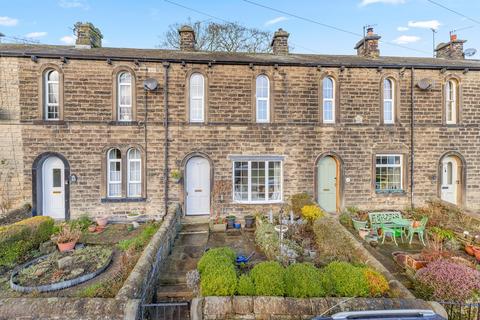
(452, 50)
(279, 42)
(368, 46)
(88, 36)
(187, 38)
(453, 37)
(370, 31)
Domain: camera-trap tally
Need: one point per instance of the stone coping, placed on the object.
(243, 307)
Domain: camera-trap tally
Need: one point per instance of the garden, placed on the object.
(78, 258)
(435, 249)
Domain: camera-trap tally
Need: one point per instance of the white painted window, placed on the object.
(114, 173)
(388, 101)
(451, 102)
(262, 97)
(388, 173)
(328, 100)
(197, 98)
(52, 97)
(257, 181)
(124, 99)
(134, 173)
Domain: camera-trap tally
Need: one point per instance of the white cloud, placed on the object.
(37, 34)
(8, 22)
(426, 24)
(367, 2)
(275, 20)
(68, 40)
(402, 28)
(69, 4)
(404, 39)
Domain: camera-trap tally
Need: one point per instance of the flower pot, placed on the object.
(469, 249)
(237, 225)
(231, 222)
(102, 221)
(358, 224)
(92, 228)
(63, 247)
(363, 232)
(132, 217)
(249, 221)
(414, 262)
(219, 227)
(476, 251)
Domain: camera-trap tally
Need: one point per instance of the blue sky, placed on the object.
(140, 24)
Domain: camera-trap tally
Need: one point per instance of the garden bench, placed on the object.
(386, 218)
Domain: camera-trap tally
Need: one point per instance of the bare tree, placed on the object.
(228, 37)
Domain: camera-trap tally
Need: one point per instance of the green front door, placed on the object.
(327, 184)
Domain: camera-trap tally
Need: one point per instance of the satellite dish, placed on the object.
(150, 84)
(424, 84)
(470, 52)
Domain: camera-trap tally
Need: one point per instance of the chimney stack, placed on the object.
(279, 42)
(368, 46)
(88, 36)
(452, 50)
(187, 38)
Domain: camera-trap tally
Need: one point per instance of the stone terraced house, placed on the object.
(88, 129)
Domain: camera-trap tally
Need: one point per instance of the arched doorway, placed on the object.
(50, 188)
(197, 186)
(328, 182)
(452, 179)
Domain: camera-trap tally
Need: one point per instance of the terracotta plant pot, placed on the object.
(69, 246)
(102, 221)
(414, 262)
(363, 232)
(476, 251)
(469, 249)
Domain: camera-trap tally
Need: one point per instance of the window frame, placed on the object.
(451, 103)
(334, 91)
(266, 180)
(267, 99)
(46, 104)
(109, 182)
(129, 181)
(400, 165)
(391, 100)
(118, 95)
(190, 98)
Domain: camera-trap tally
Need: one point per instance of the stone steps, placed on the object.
(174, 292)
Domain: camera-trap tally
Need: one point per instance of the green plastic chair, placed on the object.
(420, 230)
(392, 232)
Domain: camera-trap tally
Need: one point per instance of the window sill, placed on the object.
(258, 202)
(400, 193)
(49, 122)
(123, 123)
(122, 200)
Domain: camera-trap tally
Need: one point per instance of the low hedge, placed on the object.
(217, 272)
(302, 280)
(216, 256)
(245, 286)
(269, 279)
(19, 238)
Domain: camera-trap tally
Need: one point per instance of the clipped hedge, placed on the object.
(19, 238)
(269, 279)
(245, 286)
(341, 279)
(217, 272)
(216, 256)
(302, 280)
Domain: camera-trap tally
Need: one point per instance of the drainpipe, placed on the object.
(145, 138)
(412, 127)
(166, 65)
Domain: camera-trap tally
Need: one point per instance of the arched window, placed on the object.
(388, 101)
(197, 98)
(52, 96)
(262, 99)
(328, 100)
(134, 173)
(451, 102)
(114, 173)
(124, 98)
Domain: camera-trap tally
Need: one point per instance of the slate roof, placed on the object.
(27, 50)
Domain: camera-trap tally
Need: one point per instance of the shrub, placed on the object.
(19, 238)
(81, 223)
(245, 286)
(298, 201)
(140, 240)
(216, 256)
(445, 280)
(342, 279)
(312, 213)
(377, 283)
(302, 280)
(268, 278)
(220, 280)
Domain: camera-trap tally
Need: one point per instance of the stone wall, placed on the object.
(295, 131)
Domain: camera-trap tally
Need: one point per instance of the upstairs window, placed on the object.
(52, 96)
(134, 173)
(262, 98)
(451, 101)
(114, 173)
(388, 101)
(124, 98)
(328, 100)
(197, 98)
(388, 173)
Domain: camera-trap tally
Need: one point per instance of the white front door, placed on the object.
(53, 188)
(197, 186)
(449, 180)
(327, 184)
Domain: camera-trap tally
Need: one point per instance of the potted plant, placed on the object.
(231, 221)
(92, 228)
(249, 221)
(218, 225)
(133, 216)
(66, 238)
(359, 218)
(176, 175)
(102, 221)
(221, 190)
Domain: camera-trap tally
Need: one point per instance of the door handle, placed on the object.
(444, 188)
